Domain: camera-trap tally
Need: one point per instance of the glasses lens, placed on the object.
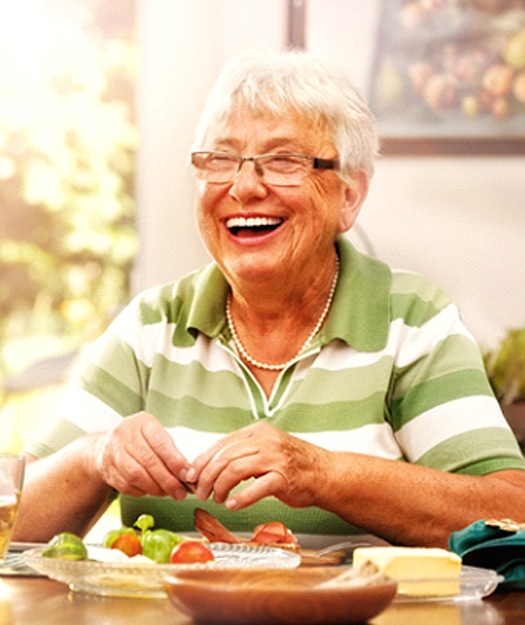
(285, 169)
(214, 166)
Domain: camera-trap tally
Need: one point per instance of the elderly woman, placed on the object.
(294, 378)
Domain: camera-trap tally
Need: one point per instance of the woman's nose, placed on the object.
(248, 182)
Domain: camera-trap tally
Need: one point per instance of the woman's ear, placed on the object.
(355, 193)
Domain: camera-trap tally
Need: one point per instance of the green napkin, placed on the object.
(496, 545)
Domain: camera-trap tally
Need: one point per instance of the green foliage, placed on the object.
(506, 367)
(67, 161)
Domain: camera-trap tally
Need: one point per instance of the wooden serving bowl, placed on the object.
(274, 596)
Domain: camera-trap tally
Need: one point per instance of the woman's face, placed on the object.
(301, 222)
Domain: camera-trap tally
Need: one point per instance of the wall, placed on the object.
(460, 220)
(183, 46)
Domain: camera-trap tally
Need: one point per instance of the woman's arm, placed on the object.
(401, 502)
(61, 494)
(70, 489)
(413, 505)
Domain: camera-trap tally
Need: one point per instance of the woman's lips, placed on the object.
(252, 226)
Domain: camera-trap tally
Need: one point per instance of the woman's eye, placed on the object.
(220, 161)
(284, 162)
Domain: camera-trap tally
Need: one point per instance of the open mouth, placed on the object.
(246, 226)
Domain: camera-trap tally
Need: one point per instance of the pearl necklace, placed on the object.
(279, 367)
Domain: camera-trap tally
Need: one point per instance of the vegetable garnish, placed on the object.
(66, 546)
(140, 540)
(191, 552)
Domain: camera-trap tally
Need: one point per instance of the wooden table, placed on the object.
(40, 601)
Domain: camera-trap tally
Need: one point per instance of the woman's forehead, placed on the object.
(243, 125)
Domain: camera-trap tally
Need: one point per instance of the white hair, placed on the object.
(274, 82)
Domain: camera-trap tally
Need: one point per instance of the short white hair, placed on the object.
(274, 82)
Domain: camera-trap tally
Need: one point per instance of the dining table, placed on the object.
(26, 600)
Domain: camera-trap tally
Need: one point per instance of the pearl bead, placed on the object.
(280, 366)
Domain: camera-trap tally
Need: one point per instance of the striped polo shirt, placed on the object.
(393, 373)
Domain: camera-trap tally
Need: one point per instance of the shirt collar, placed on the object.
(360, 313)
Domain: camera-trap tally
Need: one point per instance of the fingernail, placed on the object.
(191, 475)
(183, 475)
(232, 504)
(180, 494)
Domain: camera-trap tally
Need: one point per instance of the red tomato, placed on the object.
(129, 544)
(273, 533)
(191, 551)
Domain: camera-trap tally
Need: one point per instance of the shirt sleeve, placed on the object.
(443, 411)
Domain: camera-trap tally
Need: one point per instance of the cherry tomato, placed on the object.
(129, 544)
(191, 551)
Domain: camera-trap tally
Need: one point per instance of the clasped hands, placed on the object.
(139, 457)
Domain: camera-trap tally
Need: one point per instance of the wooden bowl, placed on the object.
(274, 596)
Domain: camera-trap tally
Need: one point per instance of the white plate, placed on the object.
(474, 583)
(139, 579)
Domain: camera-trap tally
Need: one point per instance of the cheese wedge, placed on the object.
(420, 571)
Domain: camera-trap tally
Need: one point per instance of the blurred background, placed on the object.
(98, 101)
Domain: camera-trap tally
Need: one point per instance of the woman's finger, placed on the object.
(266, 485)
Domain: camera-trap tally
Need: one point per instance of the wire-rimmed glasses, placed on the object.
(281, 169)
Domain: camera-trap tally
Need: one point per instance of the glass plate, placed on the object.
(473, 583)
(140, 579)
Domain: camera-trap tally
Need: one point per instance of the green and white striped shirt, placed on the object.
(393, 373)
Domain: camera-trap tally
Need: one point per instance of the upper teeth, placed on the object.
(251, 222)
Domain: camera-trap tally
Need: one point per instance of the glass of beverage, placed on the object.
(12, 468)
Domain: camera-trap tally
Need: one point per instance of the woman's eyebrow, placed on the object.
(269, 145)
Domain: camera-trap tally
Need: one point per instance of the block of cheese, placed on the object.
(420, 571)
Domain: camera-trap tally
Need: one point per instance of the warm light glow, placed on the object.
(5, 591)
(33, 38)
(21, 32)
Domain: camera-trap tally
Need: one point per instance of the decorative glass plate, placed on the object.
(144, 579)
(473, 583)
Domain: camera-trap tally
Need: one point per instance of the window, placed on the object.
(67, 161)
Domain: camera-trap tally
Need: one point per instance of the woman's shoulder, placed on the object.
(166, 299)
(411, 282)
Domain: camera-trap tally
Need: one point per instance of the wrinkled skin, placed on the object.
(285, 466)
(139, 457)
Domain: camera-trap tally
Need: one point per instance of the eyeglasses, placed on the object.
(283, 170)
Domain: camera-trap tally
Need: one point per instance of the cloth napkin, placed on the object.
(496, 545)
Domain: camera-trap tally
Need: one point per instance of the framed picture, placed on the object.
(448, 77)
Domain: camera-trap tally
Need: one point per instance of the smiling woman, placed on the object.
(292, 379)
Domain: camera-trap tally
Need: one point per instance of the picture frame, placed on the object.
(448, 77)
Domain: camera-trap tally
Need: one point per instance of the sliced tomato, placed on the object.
(129, 544)
(191, 551)
(274, 532)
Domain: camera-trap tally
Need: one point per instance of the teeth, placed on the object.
(252, 222)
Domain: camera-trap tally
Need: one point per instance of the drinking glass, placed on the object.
(12, 468)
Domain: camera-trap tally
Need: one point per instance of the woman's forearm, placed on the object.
(62, 492)
(412, 505)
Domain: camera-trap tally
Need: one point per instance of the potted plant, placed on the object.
(505, 367)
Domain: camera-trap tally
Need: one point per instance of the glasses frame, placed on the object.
(316, 163)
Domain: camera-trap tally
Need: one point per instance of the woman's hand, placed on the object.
(139, 457)
(283, 466)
